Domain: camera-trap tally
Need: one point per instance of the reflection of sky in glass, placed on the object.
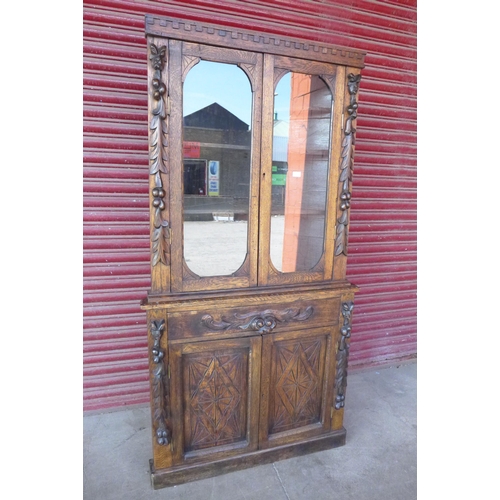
(225, 84)
(228, 85)
(282, 98)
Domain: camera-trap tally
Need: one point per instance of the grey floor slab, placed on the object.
(379, 460)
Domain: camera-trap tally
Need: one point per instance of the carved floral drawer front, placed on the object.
(252, 320)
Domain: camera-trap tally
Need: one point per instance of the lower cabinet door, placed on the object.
(297, 386)
(215, 398)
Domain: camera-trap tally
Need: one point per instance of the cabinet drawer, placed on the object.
(252, 319)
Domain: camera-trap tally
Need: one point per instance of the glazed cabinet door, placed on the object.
(302, 116)
(297, 386)
(215, 398)
(215, 121)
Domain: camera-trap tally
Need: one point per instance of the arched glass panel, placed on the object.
(217, 109)
(301, 142)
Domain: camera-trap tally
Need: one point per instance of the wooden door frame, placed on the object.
(182, 57)
(177, 395)
(334, 77)
(328, 378)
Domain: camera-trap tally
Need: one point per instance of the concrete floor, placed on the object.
(379, 460)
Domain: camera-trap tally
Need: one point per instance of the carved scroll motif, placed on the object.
(261, 322)
(157, 157)
(342, 355)
(158, 384)
(346, 165)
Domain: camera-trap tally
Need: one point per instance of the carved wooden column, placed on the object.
(345, 171)
(160, 387)
(341, 361)
(158, 109)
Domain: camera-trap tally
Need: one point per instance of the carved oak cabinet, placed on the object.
(251, 144)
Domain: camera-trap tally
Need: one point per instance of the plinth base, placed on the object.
(184, 473)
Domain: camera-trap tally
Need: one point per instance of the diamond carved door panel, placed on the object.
(218, 387)
(299, 392)
(298, 376)
(215, 386)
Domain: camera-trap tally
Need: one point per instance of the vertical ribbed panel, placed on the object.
(382, 241)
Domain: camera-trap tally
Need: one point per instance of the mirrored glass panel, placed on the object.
(217, 109)
(301, 141)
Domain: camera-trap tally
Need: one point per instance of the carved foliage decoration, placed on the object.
(342, 355)
(216, 386)
(158, 384)
(297, 399)
(261, 322)
(157, 156)
(346, 164)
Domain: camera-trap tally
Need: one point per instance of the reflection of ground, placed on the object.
(198, 208)
(218, 248)
(277, 231)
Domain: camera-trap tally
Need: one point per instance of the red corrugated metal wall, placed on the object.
(382, 242)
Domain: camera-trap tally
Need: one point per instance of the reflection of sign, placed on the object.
(191, 149)
(213, 178)
(278, 177)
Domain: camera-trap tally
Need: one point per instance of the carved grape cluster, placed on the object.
(339, 401)
(162, 436)
(345, 200)
(346, 331)
(157, 355)
(158, 195)
(263, 324)
(352, 110)
(159, 88)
